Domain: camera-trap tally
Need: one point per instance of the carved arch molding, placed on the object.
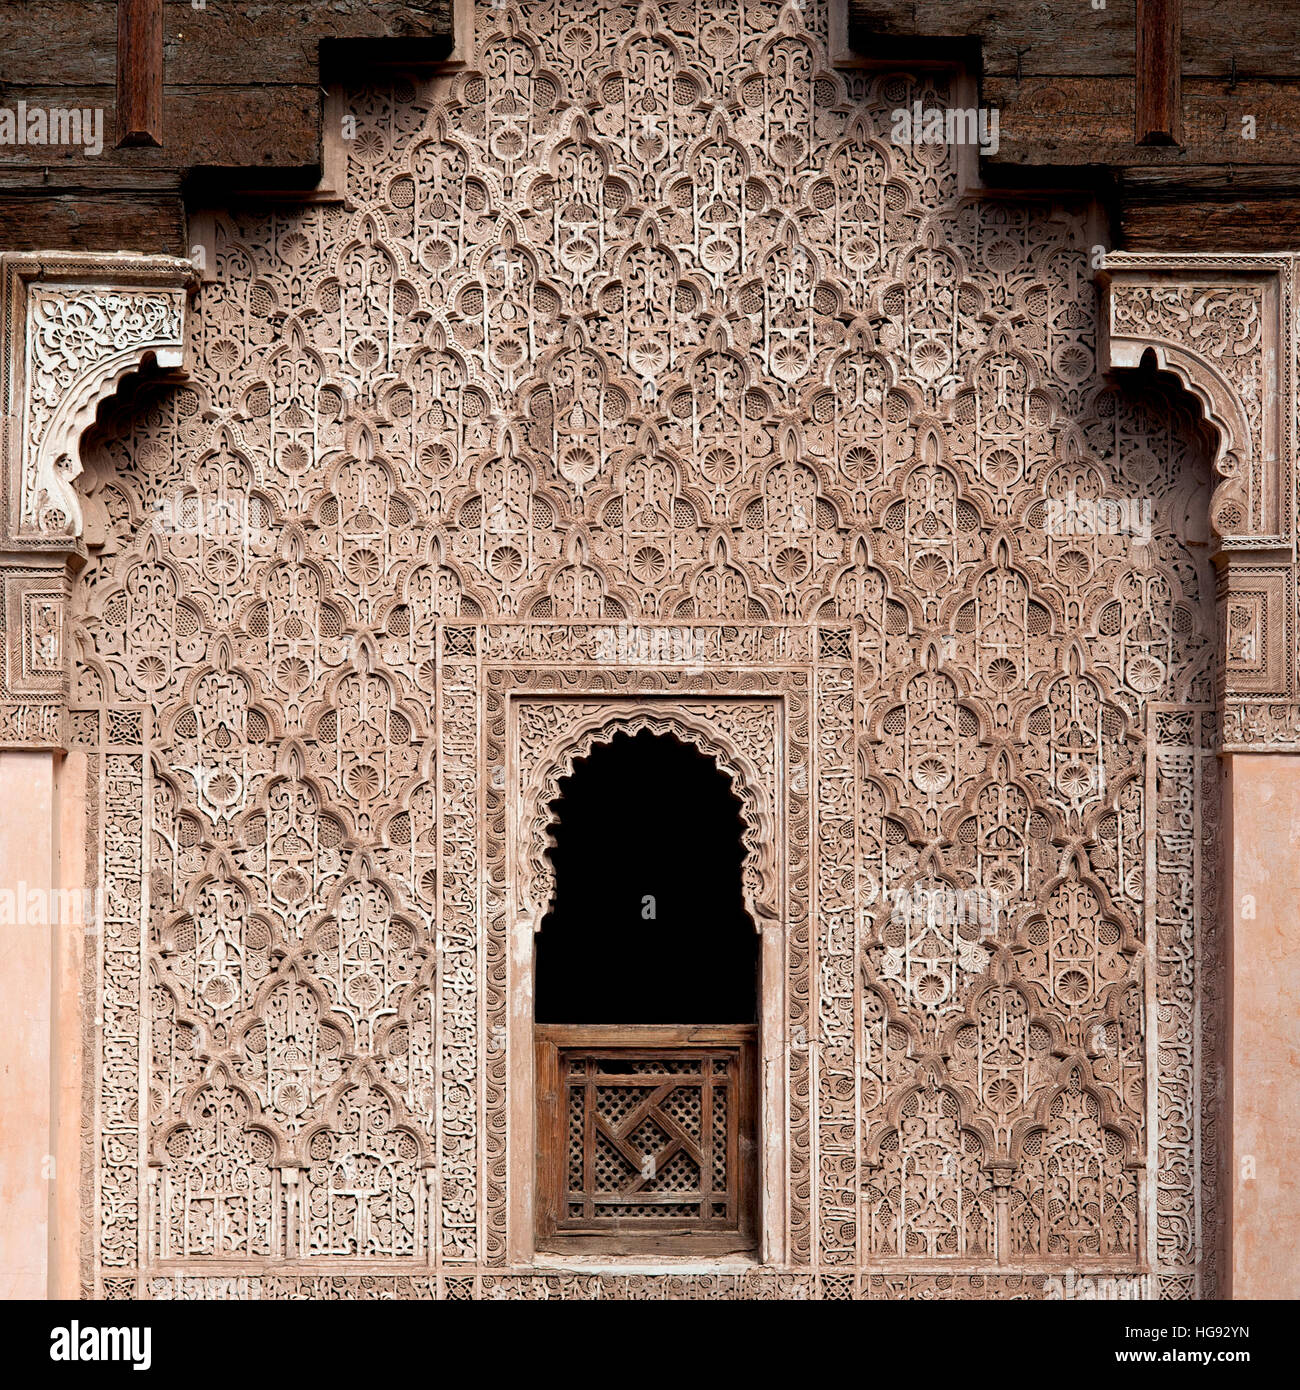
(554, 737)
(635, 367)
(1225, 326)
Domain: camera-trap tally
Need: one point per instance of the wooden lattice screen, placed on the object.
(645, 1134)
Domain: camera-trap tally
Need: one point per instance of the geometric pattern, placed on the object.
(638, 363)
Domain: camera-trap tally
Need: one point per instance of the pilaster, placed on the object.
(74, 326)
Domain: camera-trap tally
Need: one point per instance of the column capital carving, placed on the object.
(74, 325)
(1225, 326)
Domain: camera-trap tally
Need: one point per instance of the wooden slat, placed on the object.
(1159, 72)
(663, 1037)
(139, 72)
(552, 1136)
(707, 1101)
(589, 1141)
(744, 1096)
(650, 1199)
(730, 1094)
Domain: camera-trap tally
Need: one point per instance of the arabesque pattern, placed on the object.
(637, 346)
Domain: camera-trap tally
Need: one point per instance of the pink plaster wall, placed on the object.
(1263, 883)
(27, 850)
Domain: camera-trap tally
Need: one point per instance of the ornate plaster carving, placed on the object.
(643, 366)
(74, 326)
(1223, 324)
(737, 735)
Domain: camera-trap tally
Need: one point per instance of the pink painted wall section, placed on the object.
(1263, 805)
(75, 934)
(27, 865)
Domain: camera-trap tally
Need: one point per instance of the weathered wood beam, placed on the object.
(1058, 122)
(98, 219)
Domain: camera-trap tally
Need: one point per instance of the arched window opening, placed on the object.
(646, 983)
(648, 924)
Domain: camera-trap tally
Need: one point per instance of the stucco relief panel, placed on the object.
(639, 362)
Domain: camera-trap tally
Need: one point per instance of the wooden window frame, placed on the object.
(553, 1042)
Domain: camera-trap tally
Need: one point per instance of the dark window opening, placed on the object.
(646, 991)
(648, 924)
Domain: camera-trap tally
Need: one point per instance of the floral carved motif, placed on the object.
(643, 377)
(1224, 325)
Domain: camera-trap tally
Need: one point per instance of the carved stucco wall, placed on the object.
(639, 365)
(1225, 326)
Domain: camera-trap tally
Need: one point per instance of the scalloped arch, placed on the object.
(557, 761)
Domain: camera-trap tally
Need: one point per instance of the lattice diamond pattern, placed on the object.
(637, 354)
